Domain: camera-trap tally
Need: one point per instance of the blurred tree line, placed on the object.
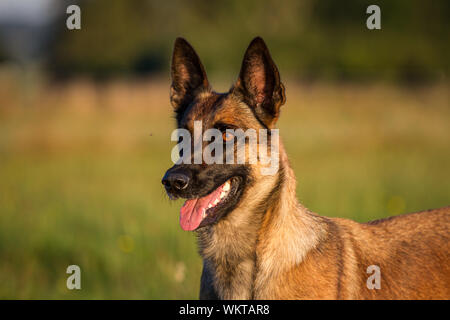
(310, 39)
(3, 56)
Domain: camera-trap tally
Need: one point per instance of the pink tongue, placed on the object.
(192, 210)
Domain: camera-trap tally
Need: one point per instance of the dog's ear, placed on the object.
(259, 83)
(188, 75)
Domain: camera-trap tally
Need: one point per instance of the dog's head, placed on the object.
(213, 190)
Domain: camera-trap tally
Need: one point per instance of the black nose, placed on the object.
(176, 180)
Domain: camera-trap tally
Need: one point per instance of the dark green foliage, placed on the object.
(309, 39)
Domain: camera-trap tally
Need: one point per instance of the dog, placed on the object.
(256, 240)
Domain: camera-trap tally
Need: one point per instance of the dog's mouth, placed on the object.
(200, 212)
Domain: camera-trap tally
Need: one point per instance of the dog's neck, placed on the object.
(269, 231)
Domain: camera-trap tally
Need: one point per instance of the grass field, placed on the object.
(81, 164)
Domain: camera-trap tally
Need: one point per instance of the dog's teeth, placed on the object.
(203, 214)
(226, 187)
(216, 201)
(209, 205)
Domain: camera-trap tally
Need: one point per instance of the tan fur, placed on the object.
(288, 252)
(270, 246)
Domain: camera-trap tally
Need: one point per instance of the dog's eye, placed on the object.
(227, 136)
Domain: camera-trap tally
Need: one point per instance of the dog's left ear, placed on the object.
(188, 75)
(259, 83)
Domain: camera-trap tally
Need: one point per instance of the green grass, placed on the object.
(80, 171)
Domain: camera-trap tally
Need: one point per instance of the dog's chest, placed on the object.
(234, 281)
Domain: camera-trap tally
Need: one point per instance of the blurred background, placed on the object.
(85, 125)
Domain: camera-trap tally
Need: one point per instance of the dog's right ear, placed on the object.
(259, 83)
(188, 75)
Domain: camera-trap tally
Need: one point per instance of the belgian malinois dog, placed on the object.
(256, 240)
